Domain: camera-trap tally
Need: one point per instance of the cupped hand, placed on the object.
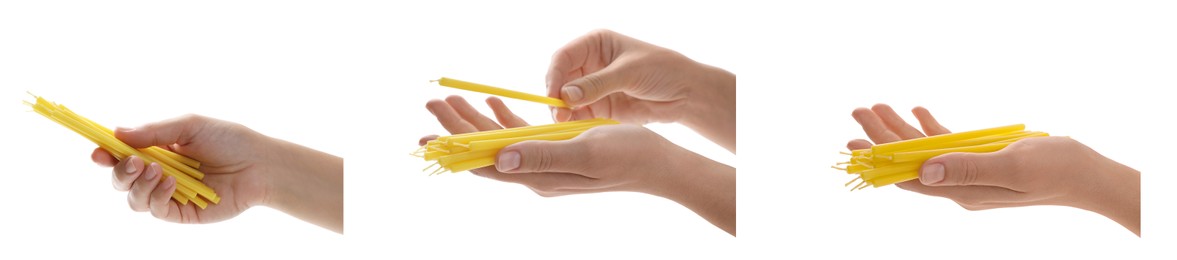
(571, 174)
(605, 158)
(1033, 171)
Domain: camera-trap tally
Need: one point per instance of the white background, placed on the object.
(350, 78)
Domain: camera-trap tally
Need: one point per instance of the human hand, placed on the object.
(608, 75)
(1033, 171)
(244, 167)
(457, 116)
(606, 158)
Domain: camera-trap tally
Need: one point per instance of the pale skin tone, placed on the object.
(602, 159)
(1034, 171)
(244, 167)
(608, 75)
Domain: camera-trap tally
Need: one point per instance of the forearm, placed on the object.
(713, 112)
(1119, 196)
(308, 185)
(704, 186)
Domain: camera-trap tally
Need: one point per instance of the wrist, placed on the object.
(713, 91)
(305, 183)
(712, 107)
(702, 185)
(1117, 196)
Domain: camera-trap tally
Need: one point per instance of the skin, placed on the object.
(608, 75)
(602, 159)
(245, 168)
(1033, 171)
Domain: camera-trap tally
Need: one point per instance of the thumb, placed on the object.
(542, 156)
(592, 87)
(962, 169)
(179, 130)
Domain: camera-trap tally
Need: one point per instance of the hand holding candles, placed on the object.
(600, 156)
(608, 75)
(171, 183)
(1033, 171)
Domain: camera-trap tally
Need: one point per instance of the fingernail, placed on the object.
(123, 129)
(131, 165)
(508, 161)
(932, 174)
(152, 172)
(573, 93)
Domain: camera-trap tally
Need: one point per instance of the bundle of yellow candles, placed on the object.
(189, 188)
(896, 162)
(468, 151)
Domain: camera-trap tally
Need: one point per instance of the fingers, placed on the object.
(874, 126)
(595, 86)
(858, 144)
(426, 139)
(963, 169)
(504, 114)
(543, 156)
(103, 158)
(581, 56)
(124, 173)
(895, 123)
(173, 131)
(140, 195)
(583, 71)
(928, 122)
(449, 118)
(560, 114)
(160, 202)
(471, 115)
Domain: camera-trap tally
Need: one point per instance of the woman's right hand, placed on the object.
(608, 75)
(244, 167)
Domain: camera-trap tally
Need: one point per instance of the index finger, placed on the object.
(874, 126)
(582, 56)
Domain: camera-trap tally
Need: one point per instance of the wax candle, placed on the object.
(458, 84)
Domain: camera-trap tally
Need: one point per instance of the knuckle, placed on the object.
(190, 117)
(971, 171)
(545, 160)
(602, 32)
(132, 203)
(593, 80)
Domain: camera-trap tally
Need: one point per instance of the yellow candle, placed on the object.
(458, 84)
(914, 143)
(475, 150)
(895, 178)
(928, 154)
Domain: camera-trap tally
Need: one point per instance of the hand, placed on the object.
(1033, 171)
(244, 167)
(606, 158)
(608, 75)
